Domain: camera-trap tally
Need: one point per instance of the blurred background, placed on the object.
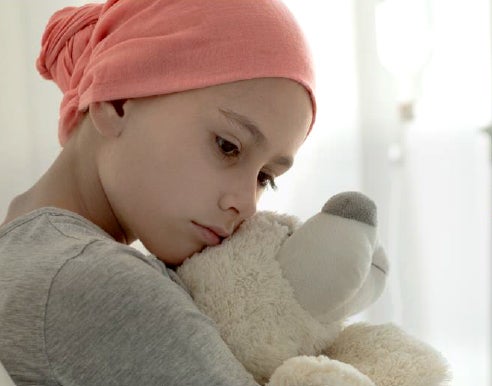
(404, 115)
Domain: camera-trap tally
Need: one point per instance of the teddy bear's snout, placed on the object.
(354, 206)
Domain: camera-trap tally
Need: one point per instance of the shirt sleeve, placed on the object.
(112, 319)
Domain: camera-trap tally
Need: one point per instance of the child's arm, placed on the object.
(115, 320)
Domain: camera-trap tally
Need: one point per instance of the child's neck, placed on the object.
(72, 183)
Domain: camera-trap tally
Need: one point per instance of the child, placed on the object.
(176, 115)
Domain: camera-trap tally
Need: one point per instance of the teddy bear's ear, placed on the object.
(329, 259)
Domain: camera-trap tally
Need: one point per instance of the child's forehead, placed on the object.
(232, 93)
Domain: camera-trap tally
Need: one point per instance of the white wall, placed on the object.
(329, 161)
(28, 103)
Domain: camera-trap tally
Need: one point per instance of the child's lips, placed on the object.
(210, 235)
(218, 231)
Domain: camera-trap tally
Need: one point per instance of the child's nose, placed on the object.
(241, 198)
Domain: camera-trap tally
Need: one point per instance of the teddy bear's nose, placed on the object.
(352, 205)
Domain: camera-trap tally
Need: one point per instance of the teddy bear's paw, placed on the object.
(354, 206)
(317, 371)
(390, 356)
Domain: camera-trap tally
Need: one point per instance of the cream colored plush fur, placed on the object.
(271, 327)
(252, 304)
(389, 356)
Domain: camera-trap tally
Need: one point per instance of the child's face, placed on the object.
(190, 167)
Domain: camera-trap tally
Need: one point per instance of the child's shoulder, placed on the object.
(51, 242)
(58, 234)
(51, 229)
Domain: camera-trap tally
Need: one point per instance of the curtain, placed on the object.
(430, 176)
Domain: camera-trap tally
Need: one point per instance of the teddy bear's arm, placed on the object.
(389, 356)
(317, 371)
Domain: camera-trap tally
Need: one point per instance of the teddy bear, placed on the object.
(281, 291)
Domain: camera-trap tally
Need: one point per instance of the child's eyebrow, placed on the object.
(244, 123)
(259, 138)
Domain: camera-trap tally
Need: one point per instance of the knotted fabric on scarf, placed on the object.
(136, 48)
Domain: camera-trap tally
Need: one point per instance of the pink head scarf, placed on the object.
(135, 48)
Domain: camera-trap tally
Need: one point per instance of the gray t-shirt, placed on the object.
(78, 308)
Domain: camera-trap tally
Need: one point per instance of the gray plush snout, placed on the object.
(352, 205)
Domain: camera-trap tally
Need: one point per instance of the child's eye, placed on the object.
(226, 147)
(265, 180)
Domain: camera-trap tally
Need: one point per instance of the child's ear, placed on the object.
(108, 117)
